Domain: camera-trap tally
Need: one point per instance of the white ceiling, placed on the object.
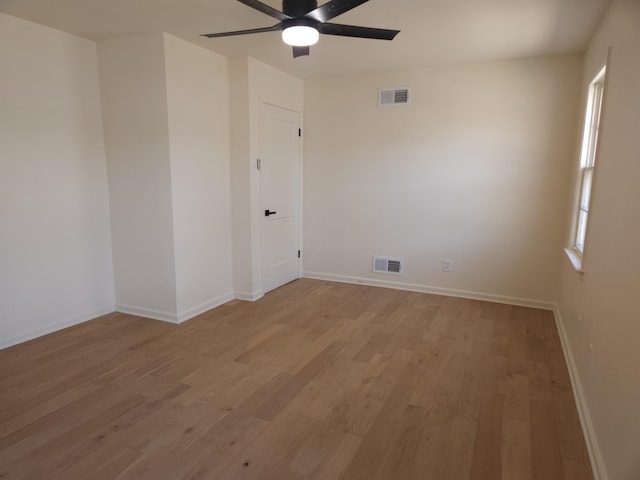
(433, 32)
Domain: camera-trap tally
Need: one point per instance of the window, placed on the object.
(585, 172)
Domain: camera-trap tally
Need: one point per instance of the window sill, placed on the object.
(575, 259)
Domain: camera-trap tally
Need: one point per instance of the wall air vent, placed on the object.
(387, 265)
(389, 97)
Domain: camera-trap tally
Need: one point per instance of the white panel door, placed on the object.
(280, 181)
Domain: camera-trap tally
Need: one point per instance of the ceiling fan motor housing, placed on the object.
(298, 8)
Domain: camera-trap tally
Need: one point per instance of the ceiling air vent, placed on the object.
(388, 97)
(387, 265)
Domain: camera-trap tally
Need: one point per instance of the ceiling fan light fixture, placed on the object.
(300, 36)
(302, 21)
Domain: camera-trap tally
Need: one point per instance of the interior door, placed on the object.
(280, 182)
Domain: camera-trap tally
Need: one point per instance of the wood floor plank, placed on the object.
(546, 455)
(315, 381)
(516, 403)
(431, 450)
(577, 470)
(516, 449)
(487, 454)
(458, 455)
(375, 345)
(316, 448)
(568, 425)
(517, 348)
(391, 445)
(335, 465)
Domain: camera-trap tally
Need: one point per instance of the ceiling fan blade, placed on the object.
(261, 7)
(300, 51)
(360, 32)
(275, 28)
(333, 8)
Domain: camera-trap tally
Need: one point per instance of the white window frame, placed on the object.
(586, 168)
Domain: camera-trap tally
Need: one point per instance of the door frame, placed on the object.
(264, 99)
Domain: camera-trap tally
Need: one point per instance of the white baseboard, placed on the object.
(203, 307)
(54, 326)
(147, 313)
(595, 454)
(173, 317)
(130, 309)
(249, 297)
(413, 287)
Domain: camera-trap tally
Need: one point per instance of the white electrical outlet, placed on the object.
(447, 264)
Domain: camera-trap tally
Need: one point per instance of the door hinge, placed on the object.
(298, 253)
(299, 132)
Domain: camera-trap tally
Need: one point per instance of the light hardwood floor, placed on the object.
(315, 381)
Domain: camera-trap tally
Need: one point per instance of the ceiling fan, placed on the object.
(302, 22)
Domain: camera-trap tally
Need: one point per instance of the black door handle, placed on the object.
(267, 213)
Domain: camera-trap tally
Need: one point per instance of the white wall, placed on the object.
(475, 169)
(240, 168)
(55, 249)
(606, 296)
(198, 112)
(167, 134)
(252, 81)
(134, 105)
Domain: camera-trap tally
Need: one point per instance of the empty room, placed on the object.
(323, 240)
